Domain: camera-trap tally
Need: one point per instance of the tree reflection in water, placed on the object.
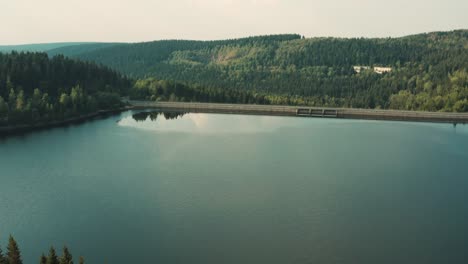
(143, 116)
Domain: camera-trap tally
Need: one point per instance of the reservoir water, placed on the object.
(213, 188)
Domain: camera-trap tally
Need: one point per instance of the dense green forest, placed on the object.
(76, 49)
(13, 255)
(429, 71)
(163, 90)
(35, 88)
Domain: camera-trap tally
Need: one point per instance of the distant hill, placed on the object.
(145, 59)
(36, 47)
(164, 59)
(419, 72)
(65, 48)
(75, 50)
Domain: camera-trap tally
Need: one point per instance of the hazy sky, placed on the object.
(39, 21)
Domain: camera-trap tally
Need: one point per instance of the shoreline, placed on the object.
(18, 129)
(250, 109)
(303, 111)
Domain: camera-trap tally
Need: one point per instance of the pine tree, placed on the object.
(3, 107)
(43, 259)
(12, 99)
(13, 255)
(3, 259)
(66, 257)
(20, 101)
(52, 258)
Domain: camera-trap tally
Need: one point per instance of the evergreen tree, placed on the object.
(3, 259)
(12, 99)
(66, 257)
(43, 259)
(13, 255)
(3, 107)
(32, 85)
(52, 258)
(20, 101)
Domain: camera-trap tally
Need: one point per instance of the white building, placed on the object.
(358, 69)
(381, 70)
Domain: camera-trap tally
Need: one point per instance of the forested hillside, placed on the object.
(74, 50)
(35, 88)
(429, 71)
(13, 255)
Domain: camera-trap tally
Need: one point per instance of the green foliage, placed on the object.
(3, 107)
(160, 90)
(77, 48)
(106, 100)
(11, 96)
(429, 72)
(14, 254)
(42, 259)
(20, 102)
(52, 257)
(39, 89)
(137, 60)
(66, 257)
(3, 259)
(430, 68)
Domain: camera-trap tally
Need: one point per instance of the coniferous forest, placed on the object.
(429, 72)
(35, 88)
(13, 255)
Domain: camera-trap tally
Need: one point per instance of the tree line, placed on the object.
(452, 97)
(164, 90)
(428, 70)
(13, 255)
(35, 88)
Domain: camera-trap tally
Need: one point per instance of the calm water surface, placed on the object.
(209, 188)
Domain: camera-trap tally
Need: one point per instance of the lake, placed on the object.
(214, 188)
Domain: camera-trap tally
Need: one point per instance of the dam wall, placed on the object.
(301, 111)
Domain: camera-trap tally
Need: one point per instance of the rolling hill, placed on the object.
(36, 47)
(64, 48)
(418, 72)
(75, 50)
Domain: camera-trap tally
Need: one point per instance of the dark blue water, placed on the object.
(206, 188)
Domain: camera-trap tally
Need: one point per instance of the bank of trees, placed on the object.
(163, 90)
(453, 96)
(13, 255)
(428, 96)
(35, 88)
(428, 70)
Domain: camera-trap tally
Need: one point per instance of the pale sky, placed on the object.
(43, 21)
